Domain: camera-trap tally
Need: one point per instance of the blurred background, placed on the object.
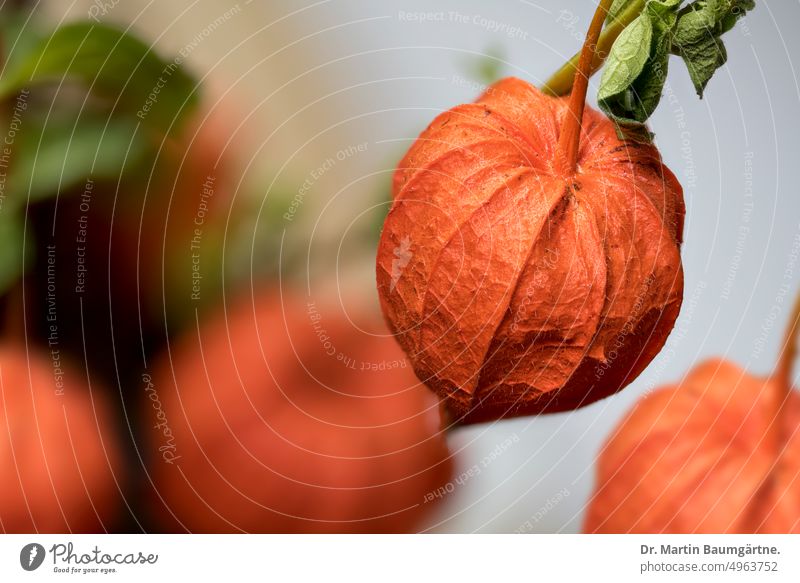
(312, 104)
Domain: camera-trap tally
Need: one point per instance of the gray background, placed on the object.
(313, 78)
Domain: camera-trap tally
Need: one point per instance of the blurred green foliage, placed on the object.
(85, 101)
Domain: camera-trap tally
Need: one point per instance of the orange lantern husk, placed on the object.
(283, 417)
(717, 453)
(530, 262)
(59, 451)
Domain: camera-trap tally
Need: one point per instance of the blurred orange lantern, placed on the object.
(718, 453)
(280, 416)
(59, 455)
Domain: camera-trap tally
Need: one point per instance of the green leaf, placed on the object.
(20, 36)
(636, 70)
(627, 59)
(112, 64)
(650, 83)
(54, 155)
(697, 36)
(12, 259)
(702, 52)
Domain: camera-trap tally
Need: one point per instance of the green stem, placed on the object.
(561, 82)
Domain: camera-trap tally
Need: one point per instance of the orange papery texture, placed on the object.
(289, 418)
(706, 456)
(59, 455)
(515, 288)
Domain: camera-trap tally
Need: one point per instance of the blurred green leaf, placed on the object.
(487, 68)
(20, 36)
(12, 261)
(52, 156)
(110, 63)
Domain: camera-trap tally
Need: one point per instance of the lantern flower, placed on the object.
(530, 262)
(59, 454)
(279, 416)
(717, 453)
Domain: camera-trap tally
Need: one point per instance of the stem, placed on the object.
(13, 326)
(571, 129)
(782, 376)
(783, 371)
(561, 82)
